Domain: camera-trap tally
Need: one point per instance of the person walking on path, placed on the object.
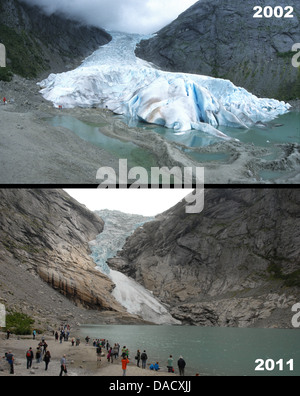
(10, 358)
(33, 334)
(38, 355)
(47, 358)
(63, 366)
(29, 358)
(138, 358)
(125, 361)
(181, 365)
(144, 358)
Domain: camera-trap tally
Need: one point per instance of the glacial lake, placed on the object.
(209, 351)
(92, 133)
(284, 129)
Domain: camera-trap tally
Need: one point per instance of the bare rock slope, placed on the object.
(44, 246)
(234, 264)
(220, 38)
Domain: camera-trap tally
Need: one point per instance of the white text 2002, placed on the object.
(277, 12)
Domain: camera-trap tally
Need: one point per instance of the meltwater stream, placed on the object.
(134, 297)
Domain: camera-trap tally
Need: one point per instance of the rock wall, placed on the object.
(220, 38)
(46, 233)
(37, 43)
(234, 264)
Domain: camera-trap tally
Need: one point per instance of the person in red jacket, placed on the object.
(4, 100)
(125, 361)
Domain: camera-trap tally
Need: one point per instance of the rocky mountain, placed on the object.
(44, 249)
(220, 38)
(36, 42)
(234, 264)
(134, 297)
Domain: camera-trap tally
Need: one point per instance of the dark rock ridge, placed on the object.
(220, 38)
(234, 264)
(44, 236)
(37, 42)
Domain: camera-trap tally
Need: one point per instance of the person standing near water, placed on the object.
(125, 361)
(138, 358)
(181, 365)
(170, 364)
(144, 358)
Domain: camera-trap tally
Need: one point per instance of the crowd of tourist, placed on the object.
(103, 348)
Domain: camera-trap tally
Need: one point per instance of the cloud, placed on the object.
(147, 202)
(134, 16)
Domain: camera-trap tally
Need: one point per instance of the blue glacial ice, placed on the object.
(114, 78)
(133, 296)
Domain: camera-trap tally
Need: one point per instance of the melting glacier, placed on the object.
(115, 79)
(133, 296)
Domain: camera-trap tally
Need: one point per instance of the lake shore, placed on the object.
(81, 360)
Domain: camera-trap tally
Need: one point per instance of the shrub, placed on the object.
(5, 74)
(19, 323)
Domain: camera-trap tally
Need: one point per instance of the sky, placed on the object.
(132, 16)
(147, 202)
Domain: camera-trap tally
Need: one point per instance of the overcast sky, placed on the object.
(147, 202)
(133, 16)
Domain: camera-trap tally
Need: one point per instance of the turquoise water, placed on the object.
(92, 134)
(285, 129)
(210, 350)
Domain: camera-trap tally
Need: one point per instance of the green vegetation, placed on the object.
(286, 55)
(23, 53)
(5, 74)
(290, 280)
(19, 323)
(291, 90)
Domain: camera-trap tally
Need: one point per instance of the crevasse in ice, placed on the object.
(114, 78)
(133, 296)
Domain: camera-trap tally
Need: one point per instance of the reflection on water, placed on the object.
(284, 129)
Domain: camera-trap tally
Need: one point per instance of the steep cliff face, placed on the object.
(46, 233)
(36, 42)
(134, 297)
(220, 38)
(234, 264)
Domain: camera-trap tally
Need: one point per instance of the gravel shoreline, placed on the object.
(32, 151)
(81, 360)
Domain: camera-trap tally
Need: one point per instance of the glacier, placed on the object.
(133, 296)
(114, 78)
